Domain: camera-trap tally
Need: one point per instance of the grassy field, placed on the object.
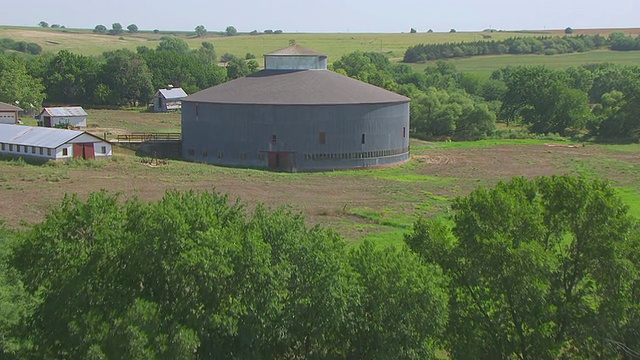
(487, 64)
(377, 204)
(380, 205)
(334, 45)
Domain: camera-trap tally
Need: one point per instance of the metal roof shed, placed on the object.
(168, 99)
(72, 116)
(51, 143)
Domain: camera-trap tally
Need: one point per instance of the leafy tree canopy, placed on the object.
(192, 276)
(200, 30)
(100, 29)
(538, 269)
(230, 31)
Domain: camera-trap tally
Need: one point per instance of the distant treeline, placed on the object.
(594, 100)
(20, 46)
(116, 78)
(526, 45)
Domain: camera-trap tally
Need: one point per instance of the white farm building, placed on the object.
(70, 116)
(51, 143)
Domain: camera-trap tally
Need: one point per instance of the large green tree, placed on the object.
(400, 306)
(127, 78)
(15, 303)
(544, 100)
(17, 86)
(193, 277)
(538, 269)
(200, 30)
(70, 78)
(191, 70)
(436, 113)
(172, 43)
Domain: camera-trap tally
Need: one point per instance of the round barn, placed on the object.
(295, 115)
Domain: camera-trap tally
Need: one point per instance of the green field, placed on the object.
(379, 204)
(487, 64)
(334, 45)
(376, 204)
(85, 42)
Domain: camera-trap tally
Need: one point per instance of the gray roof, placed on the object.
(64, 111)
(9, 107)
(296, 87)
(295, 50)
(173, 93)
(37, 136)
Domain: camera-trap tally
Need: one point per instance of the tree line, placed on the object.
(594, 100)
(546, 45)
(531, 269)
(20, 46)
(116, 78)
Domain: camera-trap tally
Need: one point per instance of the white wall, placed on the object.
(60, 151)
(73, 121)
(108, 150)
(57, 153)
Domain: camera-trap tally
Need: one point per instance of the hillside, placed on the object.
(84, 41)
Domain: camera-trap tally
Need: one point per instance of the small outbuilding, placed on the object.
(51, 143)
(168, 99)
(73, 116)
(8, 113)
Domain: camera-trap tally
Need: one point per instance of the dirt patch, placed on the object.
(27, 192)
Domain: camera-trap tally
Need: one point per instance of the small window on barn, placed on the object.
(49, 152)
(362, 138)
(33, 149)
(17, 148)
(103, 150)
(205, 153)
(10, 147)
(274, 139)
(41, 151)
(322, 138)
(404, 132)
(191, 152)
(65, 151)
(220, 155)
(2, 146)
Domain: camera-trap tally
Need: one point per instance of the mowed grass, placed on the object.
(485, 65)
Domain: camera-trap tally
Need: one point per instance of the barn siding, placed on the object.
(240, 135)
(295, 62)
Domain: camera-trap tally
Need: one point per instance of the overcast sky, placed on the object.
(326, 15)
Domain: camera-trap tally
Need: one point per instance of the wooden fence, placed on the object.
(142, 137)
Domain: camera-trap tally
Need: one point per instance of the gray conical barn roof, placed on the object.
(296, 87)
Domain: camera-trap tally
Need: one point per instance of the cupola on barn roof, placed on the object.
(295, 57)
(296, 76)
(295, 50)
